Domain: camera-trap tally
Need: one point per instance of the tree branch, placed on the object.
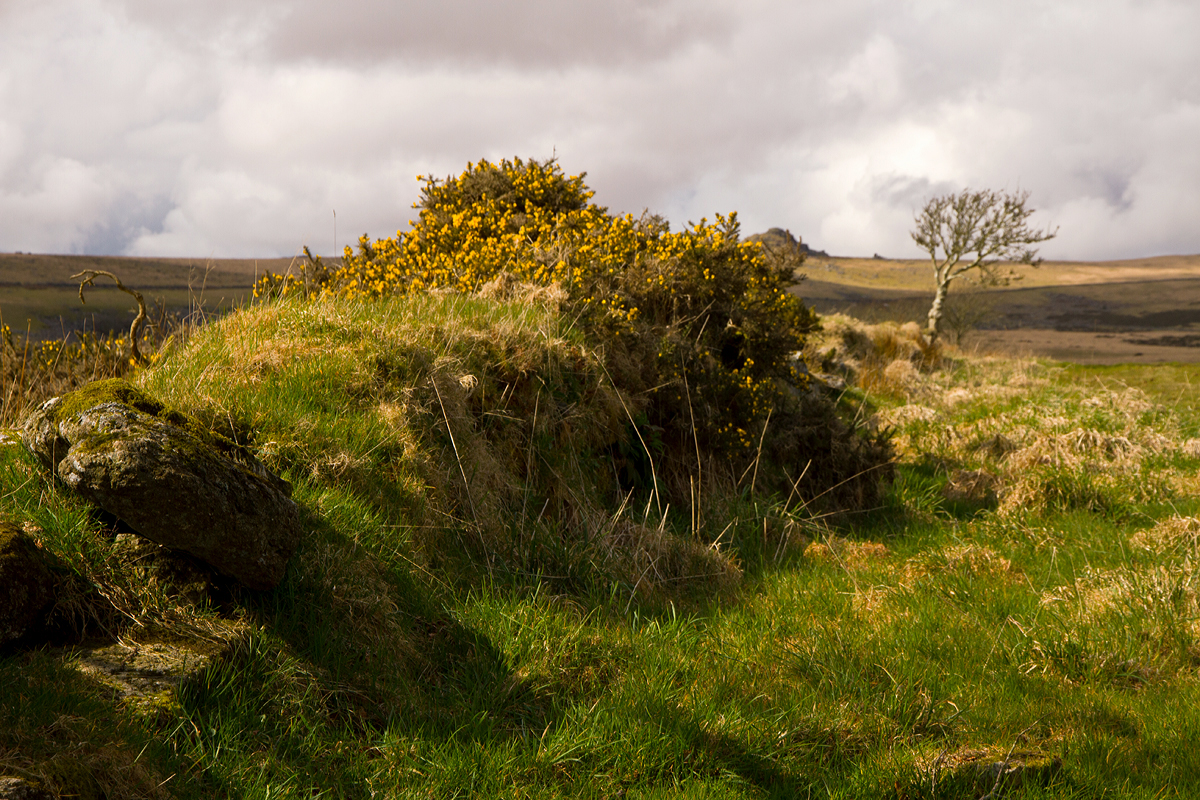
(87, 277)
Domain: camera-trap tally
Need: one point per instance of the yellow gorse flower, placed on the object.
(702, 299)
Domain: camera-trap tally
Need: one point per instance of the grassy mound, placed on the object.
(476, 434)
(697, 326)
(474, 609)
(438, 444)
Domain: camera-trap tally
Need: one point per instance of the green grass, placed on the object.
(882, 655)
(1170, 385)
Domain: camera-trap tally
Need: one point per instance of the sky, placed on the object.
(228, 128)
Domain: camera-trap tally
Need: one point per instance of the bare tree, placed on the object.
(977, 231)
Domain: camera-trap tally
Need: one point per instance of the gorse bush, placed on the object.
(698, 326)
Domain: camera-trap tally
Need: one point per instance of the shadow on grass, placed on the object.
(335, 669)
(69, 733)
(789, 767)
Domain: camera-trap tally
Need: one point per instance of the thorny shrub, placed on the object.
(699, 325)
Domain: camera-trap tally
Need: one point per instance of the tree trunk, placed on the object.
(935, 311)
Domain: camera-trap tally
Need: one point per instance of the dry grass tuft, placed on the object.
(966, 561)
(1173, 536)
(905, 415)
(888, 358)
(507, 287)
(658, 563)
(873, 605)
(977, 487)
(959, 395)
(1158, 607)
(849, 554)
(974, 560)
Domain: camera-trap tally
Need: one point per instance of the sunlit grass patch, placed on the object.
(481, 605)
(1049, 441)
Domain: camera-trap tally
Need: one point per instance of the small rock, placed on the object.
(146, 674)
(830, 380)
(169, 479)
(21, 789)
(185, 577)
(26, 583)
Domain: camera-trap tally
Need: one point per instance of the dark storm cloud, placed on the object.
(233, 128)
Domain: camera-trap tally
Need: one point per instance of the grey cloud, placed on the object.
(130, 217)
(534, 33)
(462, 33)
(228, 128)
(1110, 183)
(58, 213)
(906, 192)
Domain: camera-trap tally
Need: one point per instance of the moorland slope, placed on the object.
(1131, 311)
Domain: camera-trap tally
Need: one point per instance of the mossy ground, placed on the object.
(882, 654)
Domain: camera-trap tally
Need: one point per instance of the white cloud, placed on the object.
(176, 128)
(66, 202)
(871, 77)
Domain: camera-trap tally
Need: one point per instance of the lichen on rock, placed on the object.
(146, 674)
(169, 479)
(20, 789)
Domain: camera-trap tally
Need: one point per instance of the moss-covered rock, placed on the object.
(26, 584)
(48, 444)
(169, 479)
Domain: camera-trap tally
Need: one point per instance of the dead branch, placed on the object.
(87, 277)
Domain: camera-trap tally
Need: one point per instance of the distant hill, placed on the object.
(781, 239)
(39, 296)
(42, 270)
